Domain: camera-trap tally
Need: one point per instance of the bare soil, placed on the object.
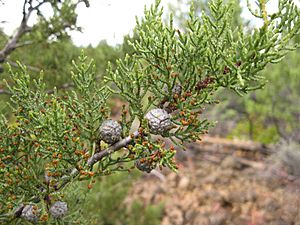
(219, 184)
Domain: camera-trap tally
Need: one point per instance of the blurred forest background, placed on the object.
(270, 116)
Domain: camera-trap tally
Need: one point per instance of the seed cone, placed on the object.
(159, 121)
(58, 209)
(110, 131)
(30, 213)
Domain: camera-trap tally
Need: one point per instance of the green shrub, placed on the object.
(104, 203)
(55, 143)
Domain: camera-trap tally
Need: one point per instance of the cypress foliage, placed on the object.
(55, 140)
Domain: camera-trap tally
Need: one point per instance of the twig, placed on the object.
(24, 44)
(264, 13)
(276, 122)
(91, 161)
(86, 2)
(5, 92)
(159, 175)
(115, 147)
(100, 155)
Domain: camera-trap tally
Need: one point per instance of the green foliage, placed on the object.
(105, 203)
(209, 55)
(54, 143)
(50, 134)
(56, 64)
(48, 57)
(152, 214)
(255, 128)
(277, 105)
(200, 7)
(268, 114)
(53, 27)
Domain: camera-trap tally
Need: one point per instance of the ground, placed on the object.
(220, 185)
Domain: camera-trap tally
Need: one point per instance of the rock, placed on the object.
(218, 218)
(184, 183)
(231, 163)
(176, 216)
(212, 178)
(201, 220)
(190, 215)
(166, 221)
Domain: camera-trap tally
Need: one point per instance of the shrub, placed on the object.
(54, 141)
(289, 156)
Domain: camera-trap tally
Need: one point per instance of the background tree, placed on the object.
(45, 33)
(44, 41)
(181, 12)
(272, 113)
(53, 27)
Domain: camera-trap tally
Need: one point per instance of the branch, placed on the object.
(25, 43)
(117, 146)
(91, 161)
(276, 121)
(100, 155)
(12, 43)
(86, 2)
(5, 92)
(264, 13)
